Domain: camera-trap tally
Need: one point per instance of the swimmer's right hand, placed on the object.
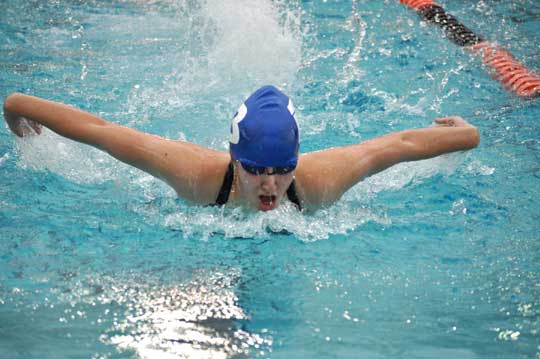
(20, 125)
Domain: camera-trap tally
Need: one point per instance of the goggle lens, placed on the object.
(256, 170)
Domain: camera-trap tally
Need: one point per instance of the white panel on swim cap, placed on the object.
(240, 115)
(290, 107)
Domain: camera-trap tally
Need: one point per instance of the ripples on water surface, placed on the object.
(437, 258)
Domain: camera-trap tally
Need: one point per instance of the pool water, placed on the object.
(432, 259)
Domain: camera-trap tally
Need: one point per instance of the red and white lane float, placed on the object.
(505, 68)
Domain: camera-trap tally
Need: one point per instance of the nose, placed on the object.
(269, 182)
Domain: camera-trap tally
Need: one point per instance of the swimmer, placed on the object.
(263, 167)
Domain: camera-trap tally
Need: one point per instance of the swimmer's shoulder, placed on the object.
(323, 176)
(197, 174)
(212, 174)
(309, 180)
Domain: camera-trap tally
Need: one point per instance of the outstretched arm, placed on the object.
(193, 171)
(324, 176)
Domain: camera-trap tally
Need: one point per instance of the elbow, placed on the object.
(13, 102)
(9, 102)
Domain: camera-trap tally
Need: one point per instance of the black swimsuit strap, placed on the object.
(225, 190)
(293, 196)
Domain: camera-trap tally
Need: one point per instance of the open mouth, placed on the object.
(267, 202)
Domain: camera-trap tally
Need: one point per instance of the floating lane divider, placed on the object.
(505, 68)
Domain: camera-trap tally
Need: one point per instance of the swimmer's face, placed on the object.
(263, 192)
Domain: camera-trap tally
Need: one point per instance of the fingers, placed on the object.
(441, 121)
(446, 121)
(28, 127)
(35, 126)
(451, 121)
(16, 130)
(24, 127)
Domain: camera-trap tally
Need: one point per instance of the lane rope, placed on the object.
(504, 67)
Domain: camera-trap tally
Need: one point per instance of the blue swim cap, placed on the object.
(264, 132)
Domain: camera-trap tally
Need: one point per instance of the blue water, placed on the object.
(433, 259)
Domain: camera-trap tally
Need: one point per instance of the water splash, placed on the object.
(285, 220)
(231, 48)
(352, 69)
(85, 165)
(406, 173)
(72, 160)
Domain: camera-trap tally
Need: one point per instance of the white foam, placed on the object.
(82, 164)
(72, 160)
(253, 43)
(232, 48)
(205, 222)
(404, 174)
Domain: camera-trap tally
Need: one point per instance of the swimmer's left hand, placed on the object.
(452, 121)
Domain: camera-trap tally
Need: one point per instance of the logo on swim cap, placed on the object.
(264, 132)
(290, 107)
(235, 130)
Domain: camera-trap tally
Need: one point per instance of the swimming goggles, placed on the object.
(256, 170)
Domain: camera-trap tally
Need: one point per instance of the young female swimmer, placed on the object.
(263, 167)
